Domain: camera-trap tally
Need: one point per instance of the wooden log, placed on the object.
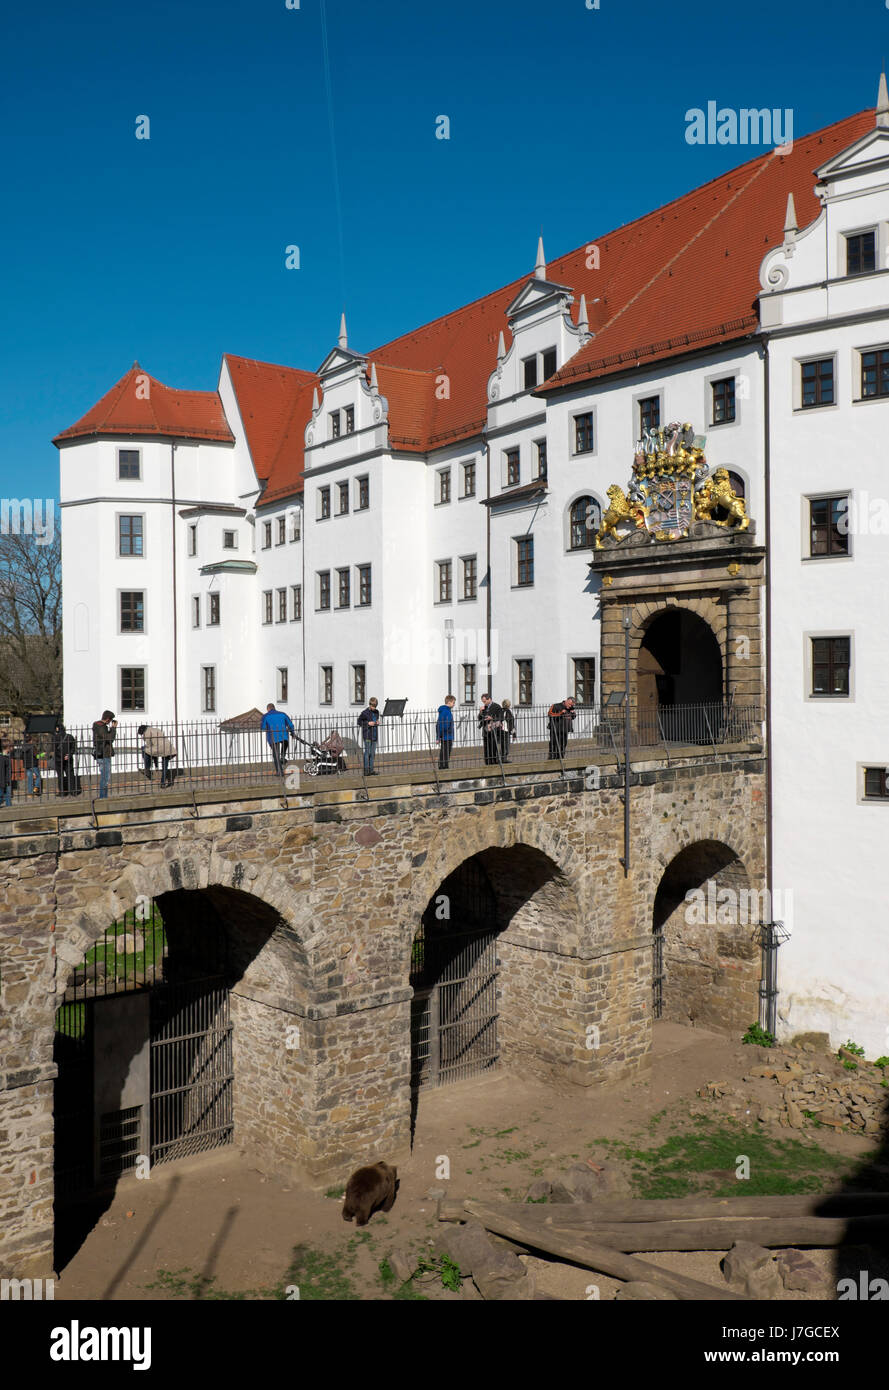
(820, 1232)
(590, 1255)
(682, 1208)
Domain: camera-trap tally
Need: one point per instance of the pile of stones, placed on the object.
(812, 1086)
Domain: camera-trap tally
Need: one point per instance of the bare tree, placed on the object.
(30, 623)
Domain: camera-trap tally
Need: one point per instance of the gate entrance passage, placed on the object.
(143, 1047)
(454, 978)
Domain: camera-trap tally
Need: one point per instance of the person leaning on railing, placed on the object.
(156, 745)
(561, 717)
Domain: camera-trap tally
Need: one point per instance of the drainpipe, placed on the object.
(488, 558)
(175, 600)
(771, 1004)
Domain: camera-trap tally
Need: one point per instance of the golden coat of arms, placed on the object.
(671, 487)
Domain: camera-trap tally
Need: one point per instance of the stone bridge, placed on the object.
(320, 896)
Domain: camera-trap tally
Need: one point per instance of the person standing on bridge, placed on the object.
(104, 731)
(5, 776)
(369, 724)
(444, 730)
(561, 717)
(490, 722)
(508, 734)
(278, 727)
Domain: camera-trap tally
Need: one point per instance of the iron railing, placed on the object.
(210, 755)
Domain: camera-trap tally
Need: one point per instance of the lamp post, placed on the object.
(627, 624)
(449, 638)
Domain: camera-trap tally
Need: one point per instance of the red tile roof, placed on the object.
(275, 405)
(679, 278)
(139, 404)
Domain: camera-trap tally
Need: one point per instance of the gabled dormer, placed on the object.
(837, 265)
(350, 402)
(544, 335)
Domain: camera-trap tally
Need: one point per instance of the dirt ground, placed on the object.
(214, 1225)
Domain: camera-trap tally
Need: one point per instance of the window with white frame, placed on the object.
(364, 586)
(470, 576)
(443, 486)
(540, 459)
(229, 540)
(282, 684)
(525, 681)
(512, 468)
(129, 465)
(132, 610)
(349, 421)
(208, 689)
(359, 683)
(282, 530)
(468, 471)
(212, 610)
(861, 252)
(131, 535)
(282, 605)
(267, 606)
(132, 688)
(343, 588)
(443, 581)
(362, 487)
(584, 439)
(469, 683)
(325, 683)
(266, 535)
(334, 419)
(295, 525)
(342, 498)
(196, 611)
(323, 590)
(323, 503)
(193, 539)
(296, 603)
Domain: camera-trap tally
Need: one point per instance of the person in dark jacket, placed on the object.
(490, 721)
(561, 717)
(278, 727)
(104, 731)
(64, 755)
(28, 754)
(369, 724)
(444, 730)
(5, 776)
(508, 731)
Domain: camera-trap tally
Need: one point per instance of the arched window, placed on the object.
(737, 483)
(584, 521)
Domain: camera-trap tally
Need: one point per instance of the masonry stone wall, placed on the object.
(320, 896)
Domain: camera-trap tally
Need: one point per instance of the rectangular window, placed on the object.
(470, 576)
(359, 683)
(444, 485)
(364, 587)
(829, 526)
(469, 683)
(196, 611)
(128, 464)
(323, 503)
(266, 535)
(469, 479)
(876, 783)
(540, 454)
(525, 682)
(324, 589)
(296, 603)
(861, 253)
(549, 364)
(529, 369)
(342, 498)
(585, 680)
(650, 413)
(282, 684)
(723, 400)
(830, 665)
(295, 525)
(132, 687)
(513, 468)
(208, 690)
(524, 560)
(350, 419)
(282, 605)
(583, 433)
(444, 581)
(344, 588)
(334, 418)
(131, 535)
(132, 612)
(192, 540)
(363, 494)
(875, 373)
(282, 530)
(229, 540)
(325, 694)
(817, 382)
(213, 615)
(267, 606)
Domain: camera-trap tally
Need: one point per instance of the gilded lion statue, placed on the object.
(620, 508)
(716, 492)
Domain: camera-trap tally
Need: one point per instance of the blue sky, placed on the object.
(172, 250)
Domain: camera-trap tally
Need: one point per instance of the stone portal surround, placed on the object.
(344, 883)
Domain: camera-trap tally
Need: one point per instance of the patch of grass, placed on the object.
(473, 1145)
(502, 1133)
(512, 1155)
(182, 1283)
(758, 1036)
(318, 1276)
(335, 1192)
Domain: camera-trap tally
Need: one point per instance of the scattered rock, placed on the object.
(435, 1192)
(129, 943)
(751, 1270)
(539, 1188)
(798, 1272)
(402, 1265)
(497, 1272)
(640, 1291)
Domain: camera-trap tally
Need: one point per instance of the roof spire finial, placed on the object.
(501, 347)
(540, 266)
(882, 103)
(790, 223)
(343, 339)
(583, 318)
(373, 376)
(316, 404)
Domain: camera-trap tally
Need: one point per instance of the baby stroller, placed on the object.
(326, 758)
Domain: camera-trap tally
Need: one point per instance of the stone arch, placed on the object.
(697, 644)
(704, 916)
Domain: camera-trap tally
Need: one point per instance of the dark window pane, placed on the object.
(530, 372)
(860, 253)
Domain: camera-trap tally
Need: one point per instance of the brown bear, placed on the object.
(368, 1190)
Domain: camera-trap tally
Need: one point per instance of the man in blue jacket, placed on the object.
(444, 730)
(278, 728)
(369, 723)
